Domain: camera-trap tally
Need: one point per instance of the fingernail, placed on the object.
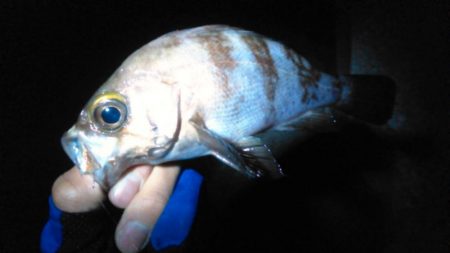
(132, 237)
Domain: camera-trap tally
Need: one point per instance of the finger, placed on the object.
(140, 216)
(73, 192)
(127, 187)
(175, 222)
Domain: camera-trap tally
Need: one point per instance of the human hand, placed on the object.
(144, 193)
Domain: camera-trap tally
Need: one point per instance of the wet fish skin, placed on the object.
(196, 92)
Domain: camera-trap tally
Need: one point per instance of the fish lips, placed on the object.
(78, 153)
(106, 168)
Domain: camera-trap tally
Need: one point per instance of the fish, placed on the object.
(207, 90)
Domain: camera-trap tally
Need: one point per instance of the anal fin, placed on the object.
(259, 158)
(313, 120)
(289, 134)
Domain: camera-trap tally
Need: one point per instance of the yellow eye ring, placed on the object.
(108, 111)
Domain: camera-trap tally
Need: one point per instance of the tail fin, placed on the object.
(367, 97)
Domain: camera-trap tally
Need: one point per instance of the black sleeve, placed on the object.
(91, 232)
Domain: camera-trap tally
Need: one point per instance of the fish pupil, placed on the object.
(110, 115)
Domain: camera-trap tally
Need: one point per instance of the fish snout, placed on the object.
(78, 153)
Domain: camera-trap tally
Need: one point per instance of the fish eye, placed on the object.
(110, 115)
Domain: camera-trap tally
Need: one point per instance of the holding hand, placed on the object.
(157, 206)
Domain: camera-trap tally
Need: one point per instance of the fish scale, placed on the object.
(196, 92)
(256, 111)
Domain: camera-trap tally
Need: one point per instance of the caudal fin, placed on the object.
(367, 97)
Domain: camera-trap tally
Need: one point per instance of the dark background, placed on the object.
(353, 190)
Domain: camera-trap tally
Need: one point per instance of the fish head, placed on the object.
(128, 121)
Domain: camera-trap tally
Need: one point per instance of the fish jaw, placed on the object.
(78, 153)
(91, 154)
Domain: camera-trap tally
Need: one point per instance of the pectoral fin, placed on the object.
(249, 156)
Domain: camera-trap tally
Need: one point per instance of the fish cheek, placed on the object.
(138, 142)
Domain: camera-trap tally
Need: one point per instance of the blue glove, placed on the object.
(171, 229)
(52, 234)
(174, 224)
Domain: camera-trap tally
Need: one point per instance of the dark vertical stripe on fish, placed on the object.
(261, 52)
(170, 41)
(308, 77)
(219, 50)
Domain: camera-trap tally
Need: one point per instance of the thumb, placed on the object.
(74, 193)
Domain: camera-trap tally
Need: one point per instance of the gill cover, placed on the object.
(163, 115)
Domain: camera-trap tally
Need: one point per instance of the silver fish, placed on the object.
(197, 92)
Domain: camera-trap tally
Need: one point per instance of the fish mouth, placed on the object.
(78, 153)
(105, 171)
